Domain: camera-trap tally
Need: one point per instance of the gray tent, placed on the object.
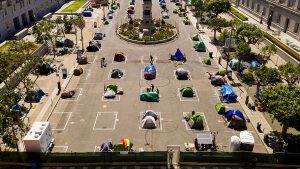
(151, 113)
(148, 122)
(182, 74)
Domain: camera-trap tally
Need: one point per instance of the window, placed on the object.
(258, 8)
(248, 3)
(278, 18)
(252, 5)
(264, 11)
(291, 3)
(147, 12)
(296, 29)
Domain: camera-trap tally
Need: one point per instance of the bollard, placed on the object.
(211, 54)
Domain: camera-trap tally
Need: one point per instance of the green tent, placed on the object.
(220, 108)
(195, 37)
(200, 46)
(149, 97)
(221, 72)
(119, 147)
(196, 122)
(112, 87)
(206, 61)
(187, 92)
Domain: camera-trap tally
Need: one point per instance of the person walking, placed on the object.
(59, 87)
(118, 4)
(171, 153)
(152, 87)
(151, 59)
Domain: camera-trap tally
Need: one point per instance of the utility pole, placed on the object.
(228, 53)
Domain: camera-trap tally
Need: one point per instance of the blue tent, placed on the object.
(87, 13)
(150, 72)
(255, 64)
(179, 56)
(237, 113)
(16, 107)
(228, 94)
(233, 64)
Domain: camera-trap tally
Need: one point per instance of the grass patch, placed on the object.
(74, 6)
(238, 14)
(7, 47)
(282, 46)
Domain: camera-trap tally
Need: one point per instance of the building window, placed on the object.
(264, 11)
(8, 2)
(252, 5)
(291, 3)
(296, 29)
(258, 8)
(248, 3)
(278, 18)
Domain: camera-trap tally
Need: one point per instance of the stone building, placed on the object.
(283, 14)
(18, 14)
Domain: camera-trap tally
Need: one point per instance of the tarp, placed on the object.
(187, 92)
(221, 72)
(150, 72)
(149, 97)
(87, 13)
(196, 122)
(195, 37)
(220, 108)
(178, 56)
(200, 46)
(182, 74)
(116, 73)
(206, 61)
(233, 64)
(16, 107)
(119, 57)
(44, 69)
(228, 94)
(228, 114)
(148, 123)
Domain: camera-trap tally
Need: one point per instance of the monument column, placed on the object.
(147, 20)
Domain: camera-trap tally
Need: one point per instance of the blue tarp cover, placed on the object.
(233, 63)
(87, 13)
(150, 68)
(178, 56)
(228, 94)
(255, 64)
(16, 107)
(237, 113)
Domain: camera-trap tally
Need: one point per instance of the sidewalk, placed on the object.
(254, 116)
(283, 37)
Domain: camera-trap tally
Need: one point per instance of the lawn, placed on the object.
(6, 47)
(74, 6)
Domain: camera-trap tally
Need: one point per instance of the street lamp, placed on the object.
(228, 48)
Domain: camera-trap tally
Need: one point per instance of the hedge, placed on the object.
(238, 14)
(282, 46)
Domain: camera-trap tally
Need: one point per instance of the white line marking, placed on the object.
(99, 114)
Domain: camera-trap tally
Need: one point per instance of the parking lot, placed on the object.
(87, 120)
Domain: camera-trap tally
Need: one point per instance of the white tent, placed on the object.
(110, 94)
(235, 143)
(247, 140)
(148, 122)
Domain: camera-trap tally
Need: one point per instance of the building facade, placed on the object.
(18, 14)
(284, 15)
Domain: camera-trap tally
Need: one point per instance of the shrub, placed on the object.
(175, 11)
(248, 75)
(238, 14)
(282, 46)
(136, 22)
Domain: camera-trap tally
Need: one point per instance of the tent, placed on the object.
(220, 108)
(178, 56)
(217, 80)
(228, 94)
(119, 57)
(200, 46)
(87, 13)
(150, 72)
(34, 95)
(187, 92)
(16, 107)
(151, 113)
(109, 94)
(233, 64)
(182, 74)
(195, 37)
(149, 97)
(206, 61)
(127, 144)
(253, 64)
(247, 141)
(221, 72)
(235, 119)
(106, 147)
(116, 73)
(112, 87)
(44, 69)
(196, 122)
(119, 147)
(148, 122)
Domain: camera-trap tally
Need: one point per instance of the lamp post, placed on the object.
(228, 53)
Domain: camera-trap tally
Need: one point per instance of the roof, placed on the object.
(36, 131)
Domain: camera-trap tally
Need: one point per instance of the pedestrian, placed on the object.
(193, 112)
(152, 87)
(157, 91)
(148, 89)
(118, 4)
(171, 156)
(151, 59)
(101, 62)
(259, 127)
(104, 64)
(196, 144)
(58, 87)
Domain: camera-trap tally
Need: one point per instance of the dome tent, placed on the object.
(150, 72)
(112, 87)
(178, 56)
(233, 64)
(195, 37)
(235, 119)
(119, 57)
(149, 96)
(200, 46)
(228, 94)
(206, 61)
(116, 73)
(196, 122)
(148, 122)
(182, 74)
(220, 108)
(187, 92)
(151, 113)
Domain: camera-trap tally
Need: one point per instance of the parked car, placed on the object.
(98, 36)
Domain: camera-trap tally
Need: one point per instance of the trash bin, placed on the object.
(64, 73)
(211, 54)
(229, 75)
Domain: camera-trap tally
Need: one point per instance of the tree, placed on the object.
(199, 8)
(266, 77)
(283, 102)
(59, 27)
(218, 6)
(68, 23)
(80, 23)
(268, 50)
(242, 51)
(216, 24)
(290, 73)
(249, 33)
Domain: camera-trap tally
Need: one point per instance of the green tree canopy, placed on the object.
(216, 24)
(249, 33)
(218, 6)
(80, 23)
(268, 50)
(267, 76)
(290, 73)
(199, 7)
(283, 102)
(242, 51)
(43, 30)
